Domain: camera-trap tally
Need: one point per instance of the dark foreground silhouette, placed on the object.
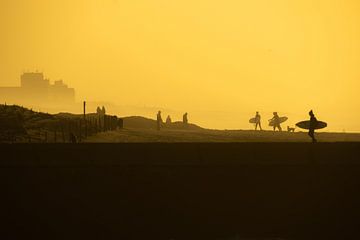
(276, 121)
(256, 121)
(180, 191)
(313, 123)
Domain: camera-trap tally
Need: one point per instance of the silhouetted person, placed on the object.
(185, 118)
(257, 121)
(276, 120)
(159, 120)
(168, 120)
(101, 111)
(98, 110)
(73, 138)
(313, 123)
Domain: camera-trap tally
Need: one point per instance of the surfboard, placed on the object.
(252, 120)
(281, 120)
(306, 125)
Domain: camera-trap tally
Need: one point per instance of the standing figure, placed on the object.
(313, 124)
(185, 118)
(98, 110)
(168, 120)
(257, 121)
(159, 120)
(276, 121)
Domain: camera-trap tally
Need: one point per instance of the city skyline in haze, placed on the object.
(221, 62)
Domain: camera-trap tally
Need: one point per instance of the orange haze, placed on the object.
(218, 60)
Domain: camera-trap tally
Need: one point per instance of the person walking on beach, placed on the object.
(313, 123)
(257, 121)
(168, 120)
(185, 119)
(159, 120)
(276, 120)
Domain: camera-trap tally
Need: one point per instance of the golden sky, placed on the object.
(219, 60)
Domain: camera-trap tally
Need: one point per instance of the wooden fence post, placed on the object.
(62, 133)
(79, 130)
(104, 128)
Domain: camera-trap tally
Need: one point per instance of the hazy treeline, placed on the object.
(19, 124)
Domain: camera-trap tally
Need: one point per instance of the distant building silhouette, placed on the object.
(36, 90)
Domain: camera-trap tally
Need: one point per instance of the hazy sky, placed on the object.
(219, 60)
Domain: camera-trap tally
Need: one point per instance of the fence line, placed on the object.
(75, 129)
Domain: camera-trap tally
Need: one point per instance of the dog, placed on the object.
(290, 129)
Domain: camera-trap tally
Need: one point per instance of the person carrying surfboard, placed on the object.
(313, 125)
(276, 121)
(257, 121)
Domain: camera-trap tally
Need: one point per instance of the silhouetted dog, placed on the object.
(290, 129)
